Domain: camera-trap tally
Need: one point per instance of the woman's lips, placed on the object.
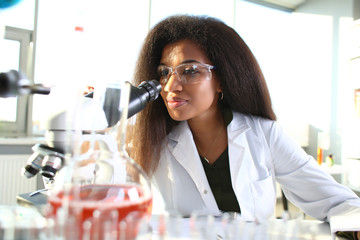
(175, 102)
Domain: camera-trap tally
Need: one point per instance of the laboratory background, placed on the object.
(308, 50)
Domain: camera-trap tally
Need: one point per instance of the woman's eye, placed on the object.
(163, 72)
(190, 71)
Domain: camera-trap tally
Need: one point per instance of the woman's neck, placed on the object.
(207, 122)
(210, 135)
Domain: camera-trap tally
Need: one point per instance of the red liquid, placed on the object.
(84, 200)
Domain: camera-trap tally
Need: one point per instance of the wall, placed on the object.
(341, 13)
(14, 154)
(304, 58)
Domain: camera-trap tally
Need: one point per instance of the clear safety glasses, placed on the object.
(187, 73)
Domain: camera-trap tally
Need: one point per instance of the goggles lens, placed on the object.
(187, 73)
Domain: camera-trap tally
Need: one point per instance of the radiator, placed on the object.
(11, 181)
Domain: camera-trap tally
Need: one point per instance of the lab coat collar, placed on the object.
(183, 148)
(181, 138)
(239, 124)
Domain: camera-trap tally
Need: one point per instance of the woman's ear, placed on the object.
(219, 88)
(221, 95)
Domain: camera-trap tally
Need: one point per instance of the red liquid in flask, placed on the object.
(85, 200)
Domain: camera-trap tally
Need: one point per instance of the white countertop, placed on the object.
(206, 228)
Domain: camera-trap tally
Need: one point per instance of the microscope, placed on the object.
(100, 186)
(49, 158)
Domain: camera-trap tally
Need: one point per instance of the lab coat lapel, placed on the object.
(185, 152)
(236, 143)
(239, 169)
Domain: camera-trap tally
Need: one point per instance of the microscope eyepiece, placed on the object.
(140, 96)
(153, 88)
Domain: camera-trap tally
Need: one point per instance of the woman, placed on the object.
(211, 142)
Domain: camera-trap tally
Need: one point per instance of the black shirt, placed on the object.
(219, 179)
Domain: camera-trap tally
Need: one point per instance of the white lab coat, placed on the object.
(260, 154)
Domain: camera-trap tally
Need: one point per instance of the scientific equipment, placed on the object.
(14, 83)
(24, 223)
(50, 158)
(323, 143)
(97, 191)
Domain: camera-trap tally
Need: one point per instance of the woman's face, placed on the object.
(186, 101)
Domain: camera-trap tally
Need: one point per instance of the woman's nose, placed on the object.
(173, 84)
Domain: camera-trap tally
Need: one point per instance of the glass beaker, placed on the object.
(101, 193)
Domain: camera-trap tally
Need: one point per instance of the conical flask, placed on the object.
(100, 193)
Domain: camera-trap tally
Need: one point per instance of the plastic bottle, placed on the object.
(329, 160)
(320, 155)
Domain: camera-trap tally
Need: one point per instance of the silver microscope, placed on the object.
(49, 158)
